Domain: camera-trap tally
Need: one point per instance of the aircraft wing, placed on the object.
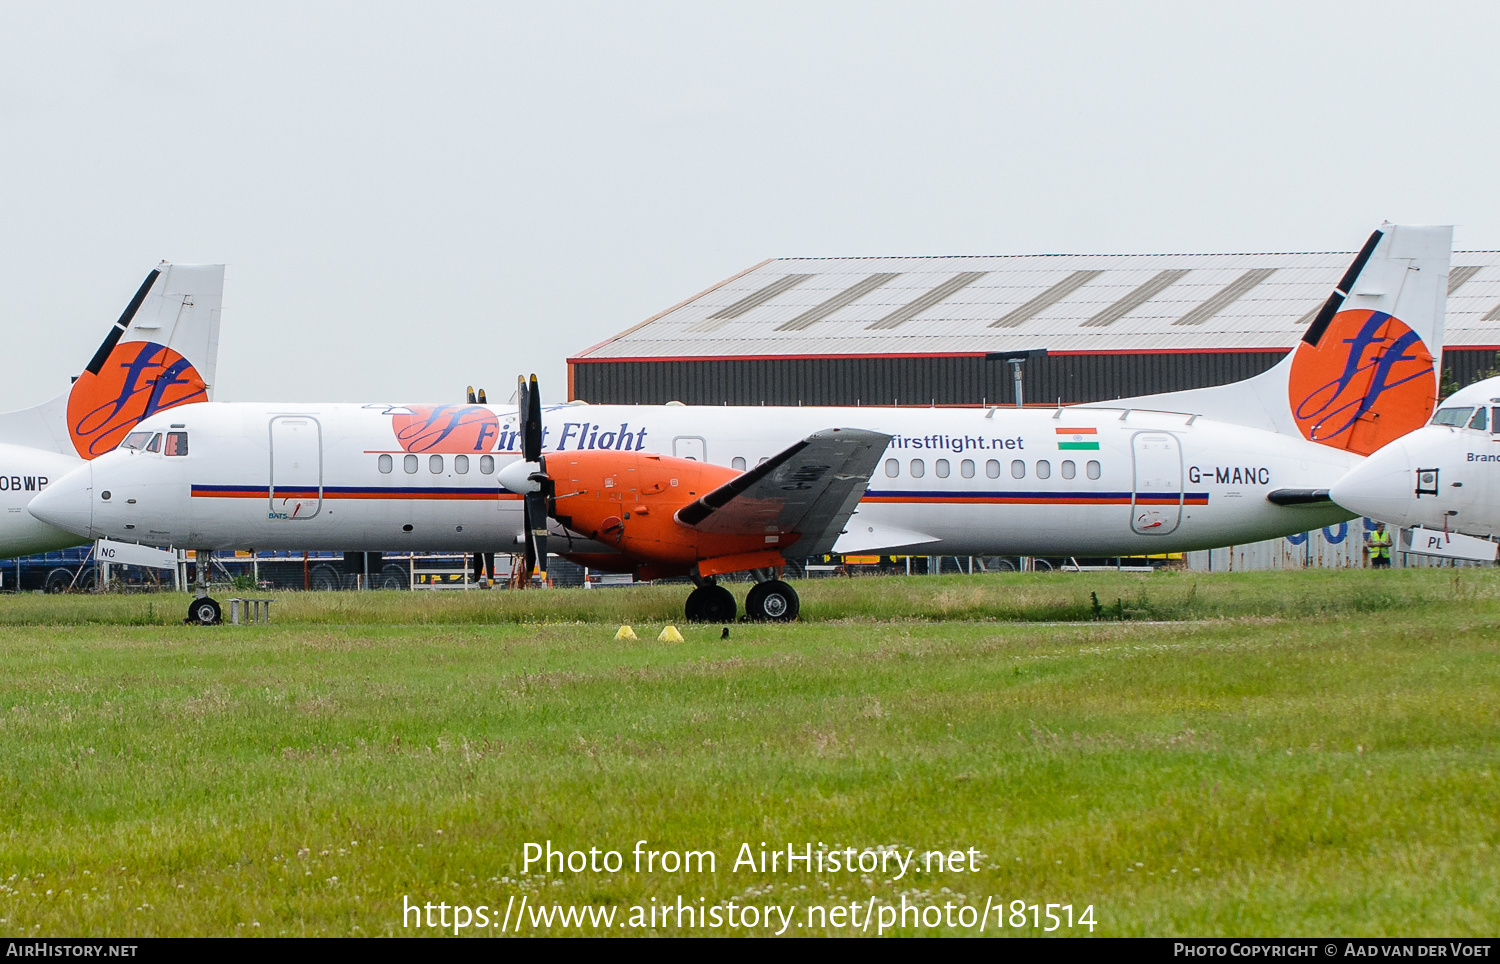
(810, 488)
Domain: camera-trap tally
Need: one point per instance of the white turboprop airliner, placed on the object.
(159, 355)
(1445, 476)
(703, 491)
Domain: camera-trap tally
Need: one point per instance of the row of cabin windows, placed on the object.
(941, 468)
(411, 463)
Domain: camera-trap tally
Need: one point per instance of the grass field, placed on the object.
(1236, 754)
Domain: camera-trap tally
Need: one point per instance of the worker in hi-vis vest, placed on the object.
(1378, 547)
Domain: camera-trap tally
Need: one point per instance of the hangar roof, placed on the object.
(1061, 302)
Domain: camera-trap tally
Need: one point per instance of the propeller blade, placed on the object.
(482, 399)
(471, 394)
(531, 430)
(536, 532)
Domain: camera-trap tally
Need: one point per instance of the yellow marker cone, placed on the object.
(669, 635)
(625, 633)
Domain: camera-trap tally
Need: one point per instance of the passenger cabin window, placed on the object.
(385, 463)
(1480, 421)
(136, 440)
(992, 469)
(461, 464)
(409, 465)
(1018, 469)
(918, 468)
(1495, 420)
(1069, 469)
(177, 443)
(155, 444)
(738, 463)
(966, 468)
(1452, 417)
(486, 464)
(1092, 469)
(941, 467)
(435, 464)
(1044, 469)
(892, 468)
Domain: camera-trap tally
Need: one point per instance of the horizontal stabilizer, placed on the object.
(1448, 545)
(132, 554)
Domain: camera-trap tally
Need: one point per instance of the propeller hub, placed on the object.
(521, 477)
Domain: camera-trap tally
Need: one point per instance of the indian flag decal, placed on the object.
(1078, 439)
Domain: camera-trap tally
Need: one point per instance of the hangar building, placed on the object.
(918, 331)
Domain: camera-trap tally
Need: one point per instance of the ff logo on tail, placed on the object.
(139, 379)
(1367, 381)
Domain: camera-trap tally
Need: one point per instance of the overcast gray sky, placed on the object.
(412, 197)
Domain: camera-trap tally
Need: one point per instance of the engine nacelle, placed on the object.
(628, 500)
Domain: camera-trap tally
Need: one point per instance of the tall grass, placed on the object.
(1027, 597)
(1302, 754)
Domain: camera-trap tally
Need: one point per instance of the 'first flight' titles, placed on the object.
(577, 436)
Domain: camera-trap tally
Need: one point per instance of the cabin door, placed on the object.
(1156, 502)
(296, 467)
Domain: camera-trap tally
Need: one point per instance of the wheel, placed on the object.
(324, 578)
(88, 580)
(204, 612)
(1041, 565)
(772, 601)
(393, 576)
(58, 580)
(711, 604)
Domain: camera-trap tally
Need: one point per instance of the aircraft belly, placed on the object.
(365, 524)
(23, 535)
(1090, 530)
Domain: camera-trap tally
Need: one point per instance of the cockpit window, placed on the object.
(1480, 421)
(136, 440)
(1452, 417)
(176, 443)
(155, 444)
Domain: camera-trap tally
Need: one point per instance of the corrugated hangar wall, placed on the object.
(921, 380)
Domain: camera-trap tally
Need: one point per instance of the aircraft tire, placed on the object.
(711, 604)
(204, 612)
(772, 602)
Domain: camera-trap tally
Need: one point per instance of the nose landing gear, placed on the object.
(203, 611)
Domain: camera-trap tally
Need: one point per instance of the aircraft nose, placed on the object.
(1381, 487)
(68, 502)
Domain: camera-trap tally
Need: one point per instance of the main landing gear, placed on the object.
(772, 601)
(711, 603)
